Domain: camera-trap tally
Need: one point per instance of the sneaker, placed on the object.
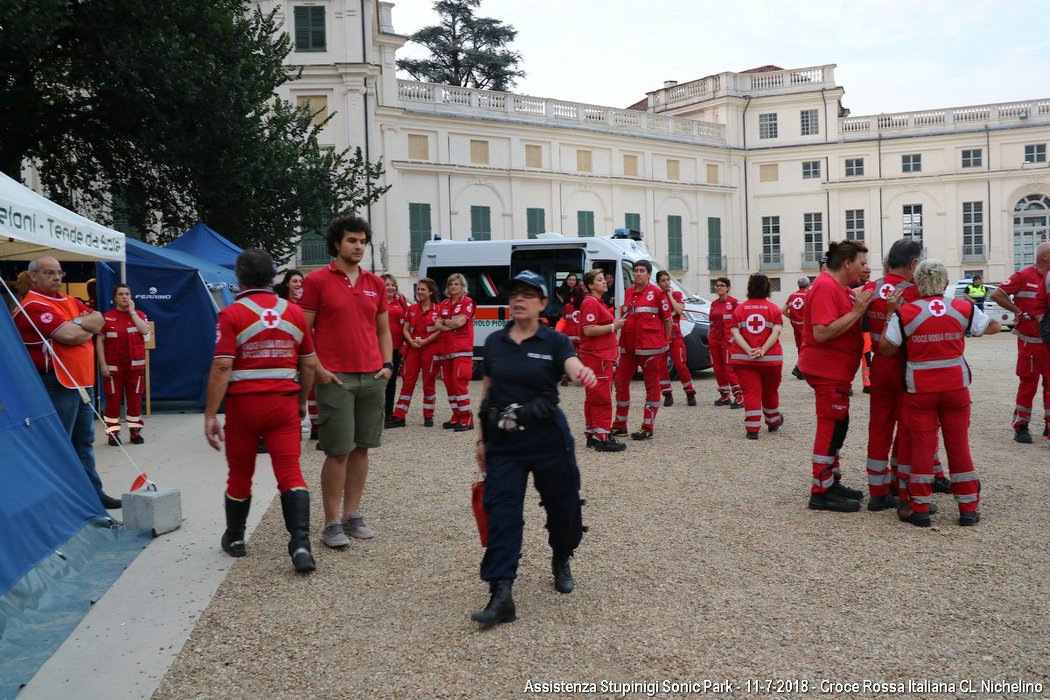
(261, 448)
(591, 440)
(907, 515)
(830, 501)
(395, 423)
(449, 424)
(969, 519)
(878, 503)
(723, 401)
(642, 435)
(137, 439)
(668, 400)
(736, 404)
(113, 440)
(355, 527)
(752, 436)
(846, 492)
(942, 484)
(932, 509)
(334, 536)
(690, 399)
(428, 422)
(775, 428)
(866, 390)
(618, 432)
(1022, 435)
(110, 503)
(462, 427)
(797, 373)
(610, 445)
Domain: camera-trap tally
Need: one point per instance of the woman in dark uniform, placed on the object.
(523, 431)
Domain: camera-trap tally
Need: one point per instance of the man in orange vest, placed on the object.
(57, 330)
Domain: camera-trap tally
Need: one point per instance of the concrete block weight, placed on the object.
(159, 510)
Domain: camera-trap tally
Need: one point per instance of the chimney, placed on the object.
(670, 83)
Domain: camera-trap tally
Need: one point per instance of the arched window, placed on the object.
(1031, 227)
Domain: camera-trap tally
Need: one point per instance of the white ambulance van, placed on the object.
(487, 265)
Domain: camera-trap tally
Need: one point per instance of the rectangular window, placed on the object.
(632, 221)
(854, 167)
(813, 239)
(1035, 153)
(479, 152)
(971, 158)
(774, 284)
(911, 163)
(712, 173)
(418, 147)
(418, 232)
(767, 126)
(535, 220)
(768, 172)
(811, 170)
(584, 162)
(973, 230)
(911, 222)
(855, 225)
(533, 156)
(481, 223)
(771, 256)
(810, 122)
(317, 105)
(672, 169)
(715, 261)
(674, 243)
(309, 28)
(585, 224)
(630, 165)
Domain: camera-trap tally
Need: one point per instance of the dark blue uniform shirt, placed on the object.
(520, 373)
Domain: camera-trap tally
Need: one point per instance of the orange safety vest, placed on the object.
(76, 363)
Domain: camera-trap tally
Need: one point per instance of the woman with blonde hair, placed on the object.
(455, 322)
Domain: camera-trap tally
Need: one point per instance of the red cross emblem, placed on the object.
(937, 307)
(755, 323)
(885, 290)
(797, 303)
(270, 318)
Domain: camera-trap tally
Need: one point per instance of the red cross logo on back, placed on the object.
(755, 323)
(270, 318)
(885, 290)
(937, 307)
(797, 303)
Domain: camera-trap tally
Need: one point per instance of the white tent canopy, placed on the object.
(32, 225)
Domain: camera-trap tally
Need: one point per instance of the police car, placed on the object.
(995, 312)
(487, 265)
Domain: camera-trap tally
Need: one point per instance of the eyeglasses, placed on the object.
(60, 274)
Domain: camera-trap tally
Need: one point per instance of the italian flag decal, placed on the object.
(489, 284)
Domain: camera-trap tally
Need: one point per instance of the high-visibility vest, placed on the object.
(75, 365)
(934, 331)
(241, 373)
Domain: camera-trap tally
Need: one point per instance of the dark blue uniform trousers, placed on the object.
(547, 451)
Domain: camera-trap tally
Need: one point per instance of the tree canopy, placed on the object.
(164, 114)
(465, 50)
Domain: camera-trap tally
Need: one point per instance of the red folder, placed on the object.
(477, 497)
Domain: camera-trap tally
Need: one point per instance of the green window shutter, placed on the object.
(585, 224)
(418, 231)
(309, 28)
(674, 243)
(714, 244)
(481, 223)
(535, 221)
(633, 221)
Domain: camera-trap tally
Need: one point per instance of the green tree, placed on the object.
(166, 112)
(465, 50)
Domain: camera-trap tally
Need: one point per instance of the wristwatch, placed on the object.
(78, 321)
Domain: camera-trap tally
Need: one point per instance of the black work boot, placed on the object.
(1023, 435)
(563, 582)
(500, 607)
(668, 399)
(236, 516)
(296, 507)
(690, 399)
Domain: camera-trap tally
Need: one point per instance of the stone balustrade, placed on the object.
(740, 84)
(953, 119)
(450, 99)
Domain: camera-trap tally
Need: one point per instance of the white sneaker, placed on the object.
(333, 535)
(355, 526)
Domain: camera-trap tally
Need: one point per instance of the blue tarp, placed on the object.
(182, 295)
(205, 242)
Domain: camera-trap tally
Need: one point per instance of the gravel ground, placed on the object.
(702, 564)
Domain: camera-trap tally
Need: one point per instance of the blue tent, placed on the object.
(206, 243)
(182, 295)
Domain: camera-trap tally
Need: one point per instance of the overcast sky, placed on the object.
(892, 55)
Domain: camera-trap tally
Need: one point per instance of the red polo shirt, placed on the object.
(839, 357)
(345, 318)
(594, 313)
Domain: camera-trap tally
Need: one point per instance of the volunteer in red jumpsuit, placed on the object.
(676, 354)
(932, 331)
(598, 350)
(793, 312)
(718, 340)
(264, 366)
(290, 288)
(421, 336)
(757, 356)
(643, 344)
(396, 306)
(121, 353)
(831, 351)
(456, 322)
(1028, 288)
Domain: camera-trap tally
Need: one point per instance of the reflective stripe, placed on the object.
(968, 498)
(968, 476)
(826, 483)
(113, 368)
(652, 404)
(876, 337)
(771, 411)
(258, 327)
(752, 413)
(621, 404)
(910, 368)
(922, 479)
(138, 363)
(651, 351)
(133, 330)
(111, 334)
(646, 310)
(877, 465)
(1027, 338)
(822, 459)
(920, 499)
(246, 374)
(1027, 295)
(599, 431)
(880, 479)
(460, 354)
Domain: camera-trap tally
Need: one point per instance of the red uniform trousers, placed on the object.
(885, 405)
(124, 383)
(761, 385)
(832, 399)
(417, 360)
(676, 353)
(650, 365)
(725, 373)
(597, 402)
(865, 364)
(950, 410)
(455, 373)
(1032, 363)
(272, 419)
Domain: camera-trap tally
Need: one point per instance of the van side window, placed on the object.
(483, 283)
(553, 264)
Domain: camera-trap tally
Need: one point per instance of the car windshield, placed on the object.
(677, 286)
